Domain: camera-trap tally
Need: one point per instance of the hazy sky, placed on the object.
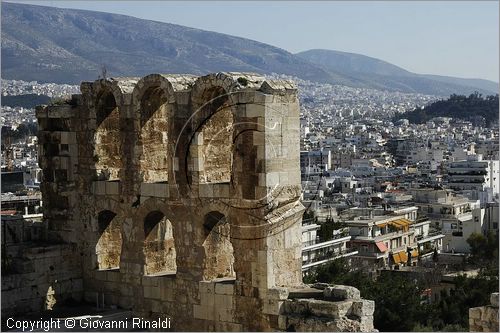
(456, 38)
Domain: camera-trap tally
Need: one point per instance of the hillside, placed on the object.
(372, 72)
(50, 44)
(26, 101)
(469, 107)
(65, 45)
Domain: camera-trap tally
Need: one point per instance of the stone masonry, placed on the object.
(181, 194)
(485, 318)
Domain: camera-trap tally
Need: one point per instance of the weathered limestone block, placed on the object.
(363, 308)
(336, 308)
(339, 292)
(485, 318)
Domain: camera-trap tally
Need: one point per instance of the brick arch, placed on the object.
(204, 85)
(159, 244)
(106, 110)
(149, 81)
(154, 106)
(217, 246)
(107, 100)
(121, 88)
(150, 205)
(231, 82)
(209, 153)
(213, 240)
(108, 203)
(212, 96)
(206, 206)
(109, 242)
(157, 228)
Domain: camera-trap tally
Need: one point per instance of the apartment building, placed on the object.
(319, 159)
(451, 213)
(316, 253)
(383, 241)
(476, 176)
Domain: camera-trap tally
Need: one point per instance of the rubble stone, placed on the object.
(485, 318)
(339, 292)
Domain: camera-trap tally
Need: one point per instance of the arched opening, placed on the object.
(107, 154)
(153, 135)
(159, 245)
(214, 138)
(219, 256)
(109, 245)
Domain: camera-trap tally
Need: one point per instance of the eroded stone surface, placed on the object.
(199, 179)
(339, 292)
(485, 318)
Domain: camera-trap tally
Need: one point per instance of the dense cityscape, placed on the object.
(381, 195)
(250, 167)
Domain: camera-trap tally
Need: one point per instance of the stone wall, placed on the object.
(36, 274)
(41, 277)
(485, 318)
(181, 194)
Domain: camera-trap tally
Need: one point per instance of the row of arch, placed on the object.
(207, 130)
(159, 248)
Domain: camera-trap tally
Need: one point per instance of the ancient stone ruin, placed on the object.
(179, 196)
(485, 318)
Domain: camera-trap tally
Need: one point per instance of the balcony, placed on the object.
(308, 221)
(421, 219)
(384, 237)
(373, 255)
(327, 257)
(430, 234)
(314, 245)
(309, 243)
(429, 238)
(468, 173)
(465, 181)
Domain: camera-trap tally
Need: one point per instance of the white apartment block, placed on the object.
(316, 253)
(479, 177)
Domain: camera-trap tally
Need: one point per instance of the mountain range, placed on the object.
(49, 44)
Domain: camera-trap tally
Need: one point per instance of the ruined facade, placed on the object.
(181, 194)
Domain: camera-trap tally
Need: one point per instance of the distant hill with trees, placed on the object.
(457, 106)
(27, 101)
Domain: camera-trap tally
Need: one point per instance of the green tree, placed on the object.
(477, 243)
(483, 248)
(397, 300)
(452, 311)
